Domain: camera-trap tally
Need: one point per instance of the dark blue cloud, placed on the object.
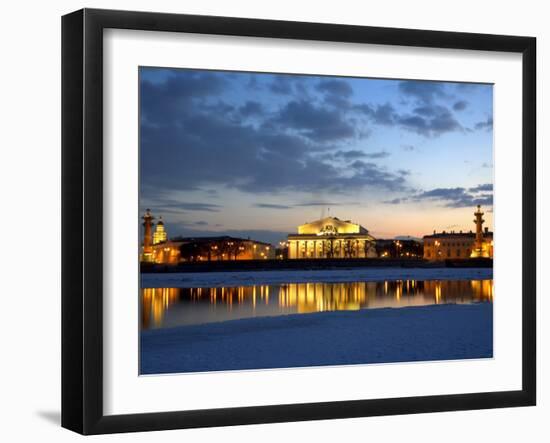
(368, 173)
(191, 139)
(457, 197)
(384, 114)
(316, 123)
(282, 84)
(378, 154)
(487, 187)
(335, 93)
(322, 203)
(204, 150)
(354, 154)
(251, 108)
(432, 121)
(486, 125)
(163, 102)
(427, 119)
(442, 193)
(335, 87)
(271, 206)
(380, 114)
(422, 91)
(161, 205)
(395, 201)
(337, 101)
(426, 110)
(303, 204)
(415, 123)
(349, 155)
(253, 84)
(460, 105)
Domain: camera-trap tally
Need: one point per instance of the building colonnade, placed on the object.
(330, 248)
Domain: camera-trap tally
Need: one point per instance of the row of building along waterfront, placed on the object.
(327, 238)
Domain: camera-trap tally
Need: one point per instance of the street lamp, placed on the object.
(398, 247)
(437, 251)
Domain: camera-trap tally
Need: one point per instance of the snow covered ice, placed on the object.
(438, 332)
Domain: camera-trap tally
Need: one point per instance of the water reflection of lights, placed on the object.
(483, 289)
(243, 301)
(155, 301)
(437, 292)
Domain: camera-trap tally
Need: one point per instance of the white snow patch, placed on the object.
(438, 332)
(251, 278)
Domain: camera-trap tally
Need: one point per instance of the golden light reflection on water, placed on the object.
(167, 307)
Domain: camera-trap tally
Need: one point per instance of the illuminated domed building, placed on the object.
(160, 233)
(331, 237)
(460, 245)
(156, 247)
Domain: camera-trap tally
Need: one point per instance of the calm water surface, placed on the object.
(169, 307)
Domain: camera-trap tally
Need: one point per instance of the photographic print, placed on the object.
(292, 220)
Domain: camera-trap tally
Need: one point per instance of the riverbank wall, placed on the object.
(310, 264)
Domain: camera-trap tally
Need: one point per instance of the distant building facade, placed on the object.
(223, 248)
(331, 237)
(399, 248)
(167, 252)
(460, 245)
(157, 248)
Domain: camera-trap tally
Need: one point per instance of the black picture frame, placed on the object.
(82, 219)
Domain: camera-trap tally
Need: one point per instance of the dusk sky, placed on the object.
(255, 155)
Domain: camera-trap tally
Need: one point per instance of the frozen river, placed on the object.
(188, 299)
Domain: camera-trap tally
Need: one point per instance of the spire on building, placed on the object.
(147, 236)
(478, 251)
